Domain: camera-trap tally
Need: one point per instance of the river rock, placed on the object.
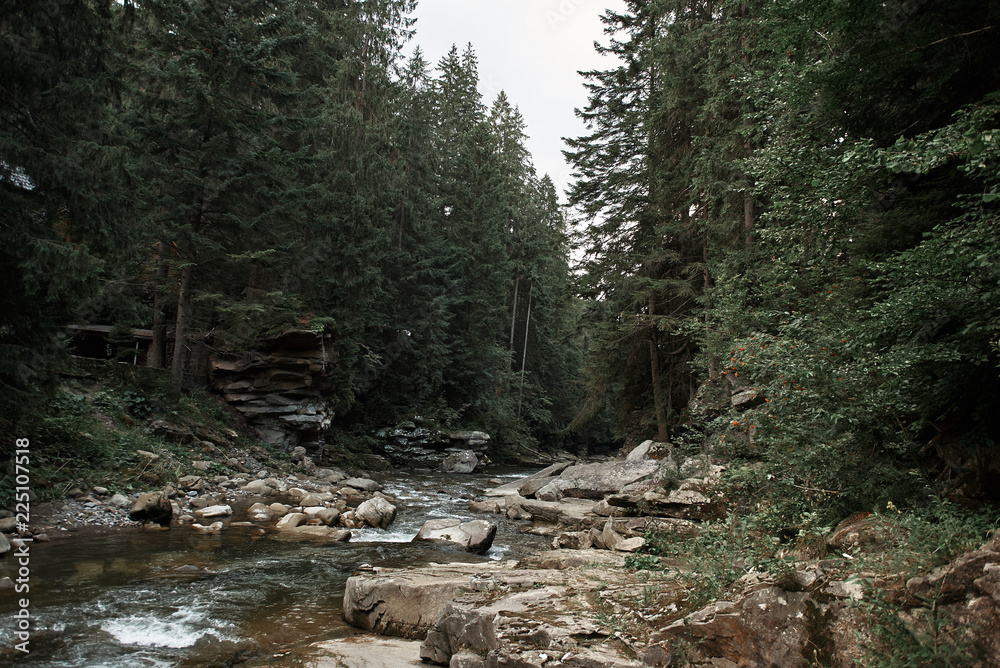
(475, 536)
(375, 512)
(191, 483)
(328, 516)
(489, 507)
(649, 498)
(316, 531)
(152, 507)
(258, 487)
(572, 540)
(215, 511)
(569, 514)
(213, 528)
(616, 538)
(364, 651)
(4, 544)
(553, 491)
(531, 485)
(364, 484)
(405, 604)
(464, 461)
(290, 521)
(594, 481)
(119, 501)
(278, 508)
(315, 499)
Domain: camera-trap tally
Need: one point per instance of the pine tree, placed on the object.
(63, 180)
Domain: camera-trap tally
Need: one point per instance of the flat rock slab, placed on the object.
(574, 514)
(512, 487)
(406, 603)
(365, 651)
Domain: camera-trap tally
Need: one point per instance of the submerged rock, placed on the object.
(213, 528)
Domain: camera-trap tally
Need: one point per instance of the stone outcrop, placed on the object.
(572, 503)
(770, 627)
(279, 388)
(957, 604)
(411, 446)
(491, 614)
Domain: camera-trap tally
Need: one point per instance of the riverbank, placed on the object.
(662, 574)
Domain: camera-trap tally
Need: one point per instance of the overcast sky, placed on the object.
(532, 49)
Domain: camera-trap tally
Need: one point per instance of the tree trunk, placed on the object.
(513, 315)
(748, 214)
(524, 355)
(157, 357)
(181, 352)
(654, 362)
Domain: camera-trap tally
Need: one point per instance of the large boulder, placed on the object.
(152, 507)
(571, 514)
(375, 512)
(404, 603)
(475, 536)
(595, 481)
(463, 461)
(362, 484)
(290, 521)
(458, 629)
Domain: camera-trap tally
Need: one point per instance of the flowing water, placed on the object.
(140, 598)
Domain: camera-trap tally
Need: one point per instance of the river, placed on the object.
(145, 599)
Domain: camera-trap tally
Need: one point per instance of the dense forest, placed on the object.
(219, 172)
(790, 199)
(798, 201)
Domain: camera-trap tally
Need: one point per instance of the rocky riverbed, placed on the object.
(598, 605)
(597, 597)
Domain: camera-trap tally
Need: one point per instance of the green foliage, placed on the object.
(642, 562)
(821, 212)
